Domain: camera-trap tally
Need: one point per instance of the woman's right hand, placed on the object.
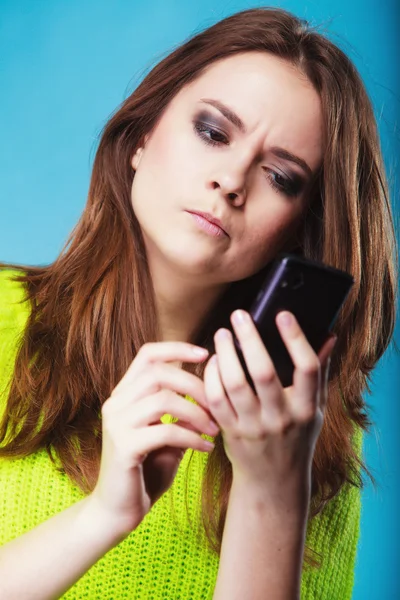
(140, 454)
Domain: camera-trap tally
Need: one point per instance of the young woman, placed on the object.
(265, 126)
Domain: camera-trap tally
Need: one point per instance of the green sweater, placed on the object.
(161, 559)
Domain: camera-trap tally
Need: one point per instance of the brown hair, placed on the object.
(88, 316)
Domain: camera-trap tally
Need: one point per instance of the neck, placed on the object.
(181, 311)
(183, 300)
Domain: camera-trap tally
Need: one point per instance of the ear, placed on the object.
(138, 154)
(136, 158)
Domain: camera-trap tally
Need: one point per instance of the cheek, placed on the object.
(154, 176)
(271, 232)
(171, 148)
(275, 224)
(169, 166)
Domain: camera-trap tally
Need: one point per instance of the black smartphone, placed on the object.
(312, 291)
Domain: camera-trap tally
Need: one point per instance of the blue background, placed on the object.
(66, 66)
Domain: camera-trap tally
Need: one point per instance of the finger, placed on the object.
(161, 352)
(245, 404)
(149, 410)
(327, 349)
(307, 369)
(157, 377)
(217, 400)
(152, 438)
(325, 358)
(259, 363)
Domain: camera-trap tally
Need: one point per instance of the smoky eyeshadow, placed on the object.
(297, 182)
(209, 119)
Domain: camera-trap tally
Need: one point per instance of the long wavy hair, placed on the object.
(94, 306)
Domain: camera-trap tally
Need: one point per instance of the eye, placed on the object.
(286, 185)
(289, 186)
(210, 135)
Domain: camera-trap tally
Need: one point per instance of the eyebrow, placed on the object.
(237, 121)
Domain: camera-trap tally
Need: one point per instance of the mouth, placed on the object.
(208, 223)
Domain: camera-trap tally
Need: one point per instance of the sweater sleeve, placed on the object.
(334, 535)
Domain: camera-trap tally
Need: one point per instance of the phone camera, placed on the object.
(294, 281)
(298, 281)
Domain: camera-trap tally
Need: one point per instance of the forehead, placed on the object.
(270, 95)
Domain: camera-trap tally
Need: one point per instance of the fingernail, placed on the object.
(223, 334)
(208, 446)
(285, 319)
(333, 342)
(327, 368)
(213, 428)
(239, 317)
(200, 351)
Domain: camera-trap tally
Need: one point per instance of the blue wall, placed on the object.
(65, 66)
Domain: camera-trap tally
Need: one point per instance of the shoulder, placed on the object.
(14, 312)
(14, 309)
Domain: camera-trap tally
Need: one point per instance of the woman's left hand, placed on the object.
(269, 437)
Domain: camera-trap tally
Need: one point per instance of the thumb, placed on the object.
(324, 356)
(325, 352)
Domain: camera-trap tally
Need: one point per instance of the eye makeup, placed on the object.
(209, 129)
(291, 186)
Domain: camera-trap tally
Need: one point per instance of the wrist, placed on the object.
(101, 523)
(289, 498)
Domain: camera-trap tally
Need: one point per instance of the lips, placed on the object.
(210, 219)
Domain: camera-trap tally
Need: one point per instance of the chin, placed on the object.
(190, 261)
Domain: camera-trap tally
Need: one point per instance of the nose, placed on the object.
(237, 198)
(231, 182)
(231, 189)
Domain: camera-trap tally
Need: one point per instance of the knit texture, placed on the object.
(162, 559)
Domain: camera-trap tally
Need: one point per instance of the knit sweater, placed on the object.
(162, 559)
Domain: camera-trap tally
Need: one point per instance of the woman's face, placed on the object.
(241, 142)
